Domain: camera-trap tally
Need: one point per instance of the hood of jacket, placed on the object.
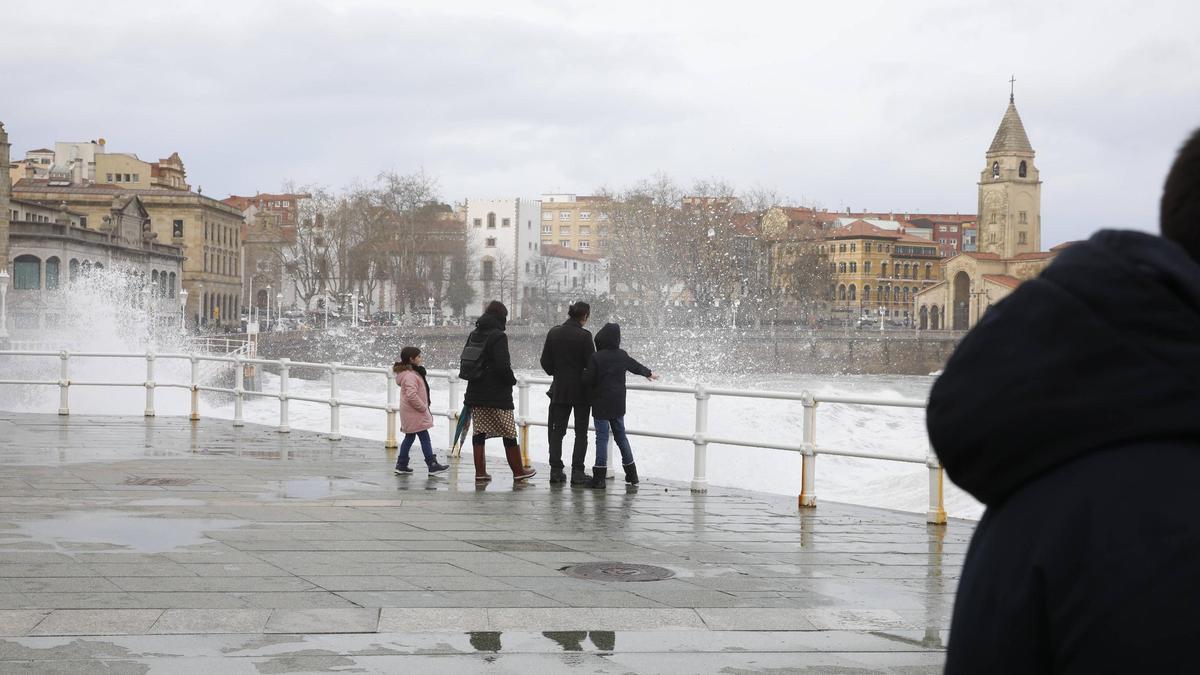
(489, 321)
(1098, 352)
(609, 336)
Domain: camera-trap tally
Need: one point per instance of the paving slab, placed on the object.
(326, 561)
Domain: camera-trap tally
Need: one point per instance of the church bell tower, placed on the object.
(1010, 192)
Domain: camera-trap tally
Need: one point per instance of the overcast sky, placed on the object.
(868, 105)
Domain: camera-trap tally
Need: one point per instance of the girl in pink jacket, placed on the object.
(415, 418)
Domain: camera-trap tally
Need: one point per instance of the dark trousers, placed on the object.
(556, 428)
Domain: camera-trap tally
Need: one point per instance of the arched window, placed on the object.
(842, 292)
(883, 269)
(995, 169)
(906, 270)
(928, 270)
(842, 267)
(896, 294)
(27, 273)
(87, 268)
(491, 221)
(833, 268)
(171, 284)
(1021, 170)
(852, 294)
(154, 277)
(906, 295)
(99, 267)
(866, 293)
(52, 265)
(832, 292)
(867, 267)
(853, 267)
(74, 267)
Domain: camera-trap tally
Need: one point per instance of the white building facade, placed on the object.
(503, 236)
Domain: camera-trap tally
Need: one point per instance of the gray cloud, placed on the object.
(866, 104)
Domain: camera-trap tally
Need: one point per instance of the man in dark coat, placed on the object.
(1072, 411)
(564, 357)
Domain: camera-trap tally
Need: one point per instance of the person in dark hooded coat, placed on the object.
(1072, 411)
(605, 378)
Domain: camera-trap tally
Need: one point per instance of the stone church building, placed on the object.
(1009, 238)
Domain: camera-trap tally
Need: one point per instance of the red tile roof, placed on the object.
(1003, 280)
(556, 251)
(981, 256)
(1063, 245)
(1034, 255)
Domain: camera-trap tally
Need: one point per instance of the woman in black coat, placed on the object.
(490, 394)
(605, 377)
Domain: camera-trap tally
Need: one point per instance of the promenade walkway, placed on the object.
(131, 545)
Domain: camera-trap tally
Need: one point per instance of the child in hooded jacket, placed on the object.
(415, 417)
(605, 377)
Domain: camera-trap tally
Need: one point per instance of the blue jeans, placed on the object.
(618, 434)
(426, 447)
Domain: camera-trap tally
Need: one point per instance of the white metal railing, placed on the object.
(700, 439)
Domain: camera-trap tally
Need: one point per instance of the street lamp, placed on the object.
(268, 307)
(882, 311)
(279, 308)
(3, 301)
(183, 310)
(431, 312)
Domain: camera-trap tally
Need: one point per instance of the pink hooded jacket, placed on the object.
(414, 404)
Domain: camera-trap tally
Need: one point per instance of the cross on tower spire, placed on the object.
(1011, 87)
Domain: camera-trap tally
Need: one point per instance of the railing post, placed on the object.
(808, 448)
(700, 463)
(195, 416)
(284, 377)
(64, 383)
(523, 419)
(237, 391)
(937, 503)
(392, 404)
(452, 412)
(335, 423)
(149, 384)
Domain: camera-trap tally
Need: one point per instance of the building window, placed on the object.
(564, 215)
(127, 180)
(841, 248)
(1021, 170)
(883, 269)
(853, 267)
(995, 169)
(565, 243)
(842, 267)
(866, 294)
(51, 273)
(852, 297)
(478, 222)
(993, 217)
(171, 285)
(853, 247)
(867, 267)
(109, 176)
(1020, 237)
(547, 229)
(1022, 218)
(491, 220)
(867, 247)
(564, 230)
(506, 222)
(83, 221)
(491, 242)
(547, 215)
(585, 215)
(928, 270)
(27, 273)
(136, 179)
(584, 245)
(487, 270)
(841, 292)
(74, 269)
(585, 231)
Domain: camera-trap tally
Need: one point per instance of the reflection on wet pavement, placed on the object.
(114, 530)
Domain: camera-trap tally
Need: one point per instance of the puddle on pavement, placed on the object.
(76, 531)
(316, 487)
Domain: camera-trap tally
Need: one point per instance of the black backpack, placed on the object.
(471, 364)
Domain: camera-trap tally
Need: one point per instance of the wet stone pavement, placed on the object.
(130, 545)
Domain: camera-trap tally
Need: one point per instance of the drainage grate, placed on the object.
(161, 482)
(615, 571)
(514, 546)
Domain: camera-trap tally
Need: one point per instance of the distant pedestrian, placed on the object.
(564, 357)
(1070, 410)
(490, 379)
(415, 417)
(605, 378)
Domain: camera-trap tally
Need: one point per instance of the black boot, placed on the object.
(578, 476)
(557, 475)
(599, 479)
(631, 473)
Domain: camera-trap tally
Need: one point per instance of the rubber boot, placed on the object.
(631, 473)
(578, 476)
(599, 480)
(513, 453)
(481, 474)
(557, 476)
